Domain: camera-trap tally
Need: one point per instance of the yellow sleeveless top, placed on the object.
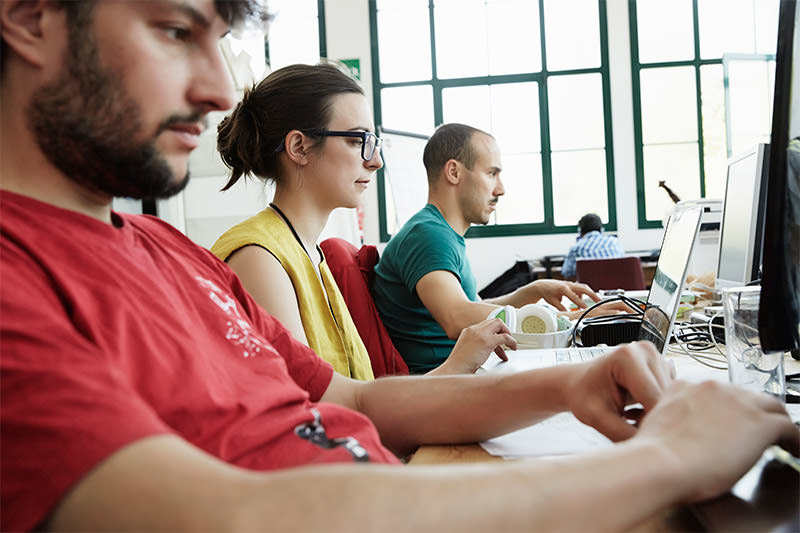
(327, 323)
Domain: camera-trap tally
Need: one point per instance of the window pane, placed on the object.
(677, 165)
(669, 105)
(514, 42)
(665, 30)
(515, 117)
(293, 18)
(576, 112)
(408, 109)
(461, 43)
(730, 26)
(766, 21)
(715, 157)
(523, 202)
(572, 34)
(403, 58)
(286, 49)
(509, 111)
(468, 105)
(750, 92)
(583, 171)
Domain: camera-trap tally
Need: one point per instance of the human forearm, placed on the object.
(442, 295)
(460, 315)
(537, 495)
(192, 491)
(516, 298)
(163, 483)
(410, 411)
(553, 292)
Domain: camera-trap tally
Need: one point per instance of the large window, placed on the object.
(534, 73)
(297, 34)
(703, 72)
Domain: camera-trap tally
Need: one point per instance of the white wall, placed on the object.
(208, 213)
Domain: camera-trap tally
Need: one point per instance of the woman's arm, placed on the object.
(266, 280)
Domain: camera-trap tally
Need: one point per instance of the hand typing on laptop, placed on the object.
(691, 421)
(603, 390)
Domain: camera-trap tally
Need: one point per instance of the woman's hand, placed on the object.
(474, 346)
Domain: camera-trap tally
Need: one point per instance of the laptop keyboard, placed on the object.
(577, 355)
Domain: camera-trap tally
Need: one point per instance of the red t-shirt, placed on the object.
(111, 333)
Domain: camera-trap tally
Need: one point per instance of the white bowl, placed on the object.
(558, 339)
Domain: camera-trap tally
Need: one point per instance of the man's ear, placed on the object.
(452, 171)
(297, 147)
(23, 24)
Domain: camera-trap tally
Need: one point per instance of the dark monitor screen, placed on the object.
(779, 309)
(742, 227)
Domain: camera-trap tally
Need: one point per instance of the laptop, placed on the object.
(663, 301)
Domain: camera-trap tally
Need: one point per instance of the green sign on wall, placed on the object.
(354, 65)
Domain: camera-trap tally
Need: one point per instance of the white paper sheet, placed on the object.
(558, 435)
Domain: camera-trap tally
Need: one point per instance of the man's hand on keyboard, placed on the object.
(692, 421)
(602, 390)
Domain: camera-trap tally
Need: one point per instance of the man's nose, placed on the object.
(212, 86)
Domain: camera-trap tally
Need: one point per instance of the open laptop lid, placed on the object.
(664, 297)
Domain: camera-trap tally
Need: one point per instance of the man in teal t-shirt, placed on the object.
(424, 287)
(426, 243)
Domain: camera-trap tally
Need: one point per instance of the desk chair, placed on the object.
(354, 270)
(612, 273)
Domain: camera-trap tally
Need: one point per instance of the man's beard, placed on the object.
(86, 126)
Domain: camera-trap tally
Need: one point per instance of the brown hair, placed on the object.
(449, 141)
(297, 97)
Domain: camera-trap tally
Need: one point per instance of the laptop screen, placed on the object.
(665, 292)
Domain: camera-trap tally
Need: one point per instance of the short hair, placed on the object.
(449, 141)
(297, 97)
(590, 222)
(235, 13)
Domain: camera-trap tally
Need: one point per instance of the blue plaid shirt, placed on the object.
(594, 245)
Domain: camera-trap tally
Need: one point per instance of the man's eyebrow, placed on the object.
(190, 11)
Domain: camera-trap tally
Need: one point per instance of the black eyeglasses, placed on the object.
(369, 141)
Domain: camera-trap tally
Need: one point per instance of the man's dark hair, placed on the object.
(297, 97)
(449, 141)
(590, 222)
(236, 13)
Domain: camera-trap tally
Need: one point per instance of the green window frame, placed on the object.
(709, 126)
(439, 84)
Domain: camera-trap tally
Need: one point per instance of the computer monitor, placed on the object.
(779, 308)
(742, 228)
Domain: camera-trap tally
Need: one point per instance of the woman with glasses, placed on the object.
(309, 130)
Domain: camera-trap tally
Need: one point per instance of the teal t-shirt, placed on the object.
(424, 244)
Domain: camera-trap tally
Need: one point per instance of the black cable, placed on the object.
(636, 306)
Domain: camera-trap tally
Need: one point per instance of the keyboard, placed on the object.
(577, 355)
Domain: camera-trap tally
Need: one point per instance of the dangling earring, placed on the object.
(299, 176)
